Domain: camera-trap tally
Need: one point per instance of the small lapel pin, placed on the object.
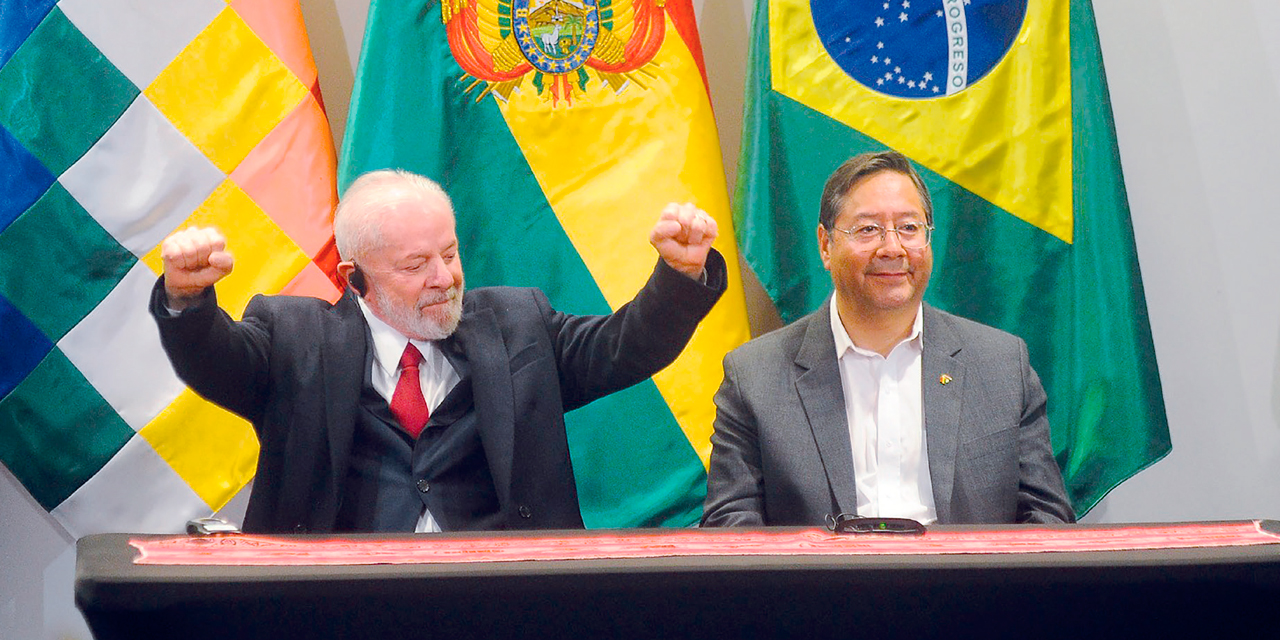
(945, 379)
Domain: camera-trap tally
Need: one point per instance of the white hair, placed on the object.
(357, 222)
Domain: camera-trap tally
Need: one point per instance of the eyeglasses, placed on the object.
(911, 235)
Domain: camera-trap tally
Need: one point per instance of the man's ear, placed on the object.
(824, 240)
(351, 273)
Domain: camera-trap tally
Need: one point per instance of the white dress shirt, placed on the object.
(437, 376)
(882, 402)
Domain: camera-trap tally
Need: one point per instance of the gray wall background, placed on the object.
(1195, 89)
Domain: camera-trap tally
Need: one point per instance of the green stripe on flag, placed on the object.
(633, 463)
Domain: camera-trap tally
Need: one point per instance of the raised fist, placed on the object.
(683, 237)
(194, 259)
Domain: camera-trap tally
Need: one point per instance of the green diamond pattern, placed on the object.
(59, 94)
(57, 263)
(56, 431)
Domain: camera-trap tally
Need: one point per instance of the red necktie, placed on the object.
(407, 403)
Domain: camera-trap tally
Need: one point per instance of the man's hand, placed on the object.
(683, 237)
(194, 259)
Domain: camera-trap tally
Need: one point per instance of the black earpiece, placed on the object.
(358, 282)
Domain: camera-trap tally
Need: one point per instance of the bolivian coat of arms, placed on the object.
(563, 44)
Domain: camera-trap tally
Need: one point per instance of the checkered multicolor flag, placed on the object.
(120, 122)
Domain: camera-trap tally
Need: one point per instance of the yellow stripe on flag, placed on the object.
(1011, 148)
(608, 164)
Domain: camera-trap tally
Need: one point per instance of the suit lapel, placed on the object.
(343, 364)
(943, 380)
(476, 349)
(822, 396)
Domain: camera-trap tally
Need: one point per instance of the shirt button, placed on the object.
(424, 486)
(525, 512)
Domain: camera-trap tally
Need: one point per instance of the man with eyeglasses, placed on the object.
(878, 405)
(411, 405)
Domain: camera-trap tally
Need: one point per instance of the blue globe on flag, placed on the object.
(918, 49)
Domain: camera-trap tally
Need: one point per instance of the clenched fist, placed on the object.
(683, 237)
(194, 259)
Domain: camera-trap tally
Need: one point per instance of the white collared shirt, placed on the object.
(437, 376)
(883, 406)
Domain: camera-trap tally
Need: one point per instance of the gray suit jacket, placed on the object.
(781, 453)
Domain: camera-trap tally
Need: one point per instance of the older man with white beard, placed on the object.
(407, 405)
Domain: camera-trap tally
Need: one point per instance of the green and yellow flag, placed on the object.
(1003, 106)
(560, 129)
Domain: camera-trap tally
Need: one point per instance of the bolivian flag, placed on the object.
(1003, 106)
(560, 128)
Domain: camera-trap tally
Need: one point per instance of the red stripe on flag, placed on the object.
(686, 24)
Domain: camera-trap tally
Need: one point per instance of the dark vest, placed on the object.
(392, 476)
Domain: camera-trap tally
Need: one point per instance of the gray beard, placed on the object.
(437, 324)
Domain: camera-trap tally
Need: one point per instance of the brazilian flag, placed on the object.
(1003, 107)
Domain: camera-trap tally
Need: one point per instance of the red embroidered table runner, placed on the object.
(245, 550)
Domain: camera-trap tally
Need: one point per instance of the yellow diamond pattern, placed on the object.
(226, 91)
(1007, 138)
(212, 449)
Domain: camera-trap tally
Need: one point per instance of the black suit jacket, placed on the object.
(294, 367)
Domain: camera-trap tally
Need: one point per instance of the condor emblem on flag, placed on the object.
(554, 38)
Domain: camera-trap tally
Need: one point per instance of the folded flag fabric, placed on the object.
(1003, 106)
(560, 129)
(122, 121)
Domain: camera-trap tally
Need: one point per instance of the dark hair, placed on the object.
(860, 167)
